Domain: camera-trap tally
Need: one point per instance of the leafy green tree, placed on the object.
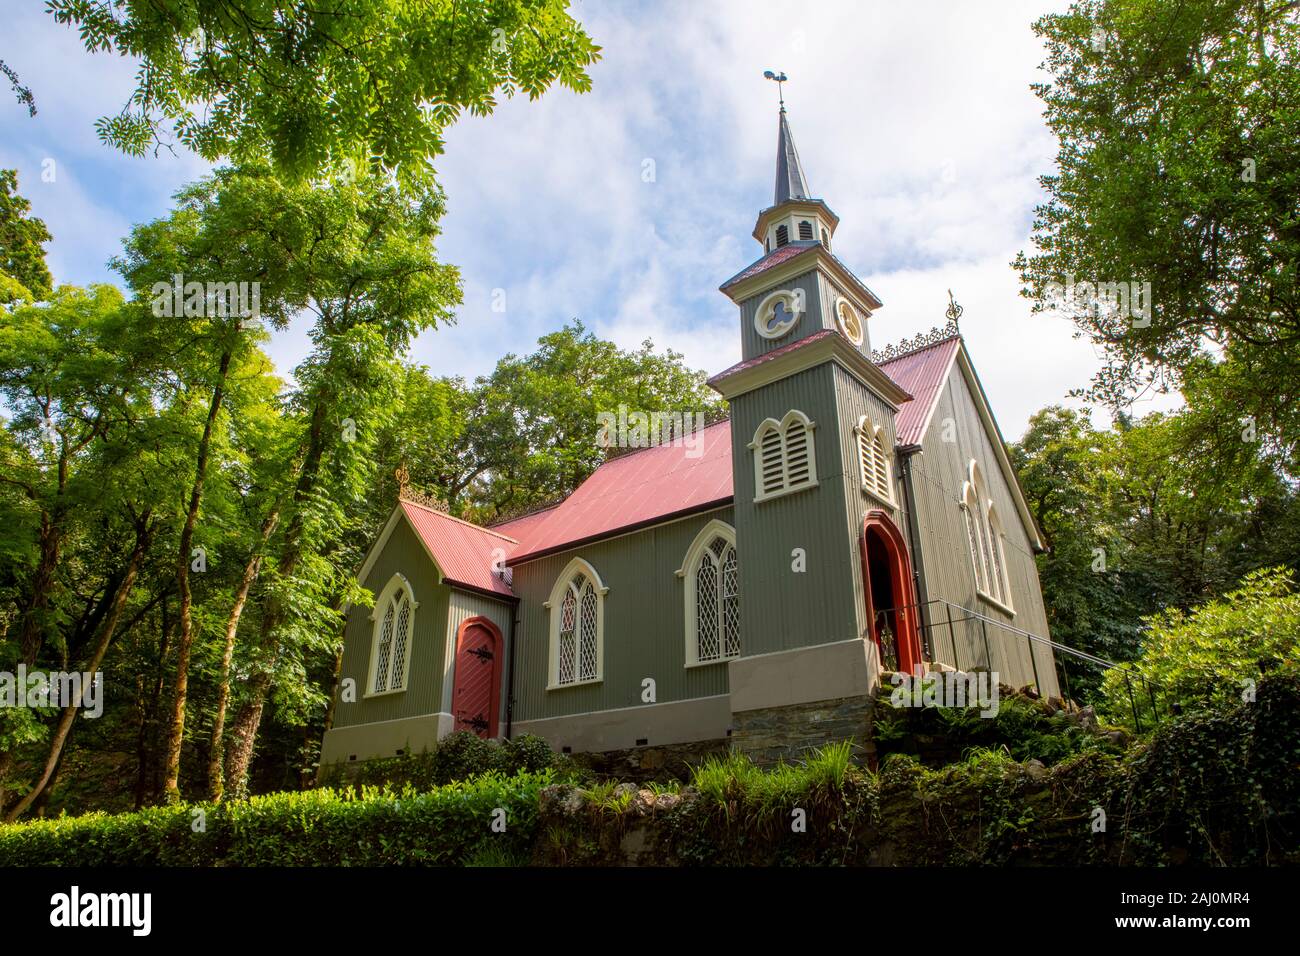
(23, 272)
(1210, 656)
(1153, 513)
(1179, 164)
(358, 258)
(319, 86)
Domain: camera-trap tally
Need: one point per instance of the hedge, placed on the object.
(451, 825)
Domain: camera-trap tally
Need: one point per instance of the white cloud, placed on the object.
(915, 122)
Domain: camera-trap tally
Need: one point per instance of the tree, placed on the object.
(319, 86)
(1155, 513)
(1179, 164)
(23, 272)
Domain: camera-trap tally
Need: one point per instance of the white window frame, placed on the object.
(783, 428)
(988, 551)
(396, 583)
(872, 440)
(795, 303)
(689, 572)
(555, 605)
(843, 303)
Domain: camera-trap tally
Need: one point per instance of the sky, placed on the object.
(628, 206)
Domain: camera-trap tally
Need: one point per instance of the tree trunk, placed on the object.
(216, 750)
(144, 533)
(185, 642)
(249, 718)
(145, 783)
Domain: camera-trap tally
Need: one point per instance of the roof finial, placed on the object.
(954, 310)
(778, 79)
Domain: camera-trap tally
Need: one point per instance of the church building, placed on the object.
(856, 516)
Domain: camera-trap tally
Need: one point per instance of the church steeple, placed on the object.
(790, 180)
(795, 216)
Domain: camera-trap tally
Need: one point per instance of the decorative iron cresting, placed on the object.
(923, 340)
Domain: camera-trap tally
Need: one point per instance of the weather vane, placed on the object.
(778, 79)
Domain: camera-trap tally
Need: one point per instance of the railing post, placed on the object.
(1137, 722)
(952, 635)
(1034, 663)
(1151, 692)
(1065, 672)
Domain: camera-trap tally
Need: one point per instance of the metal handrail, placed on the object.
(972, 615)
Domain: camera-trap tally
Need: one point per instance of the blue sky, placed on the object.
(915, 122)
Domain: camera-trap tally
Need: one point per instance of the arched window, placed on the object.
(826, 239)
(782, 236)
(805, 229)
(390, 646)
(785, 458)
(875, 460)
(577, 607)
(712, 575)
(985, 539)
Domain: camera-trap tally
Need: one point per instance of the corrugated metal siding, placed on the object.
(813, 319)
(939, 471)
(402, 554)
(782, 609)
(854, 400)
(462, 607)
(644, 624)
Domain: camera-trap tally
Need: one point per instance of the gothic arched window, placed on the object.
(577, 607)
(390, 646)
(712, 596)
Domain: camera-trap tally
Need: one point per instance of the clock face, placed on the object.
(847, 318)
(778, 313)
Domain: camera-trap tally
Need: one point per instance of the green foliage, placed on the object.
(1159, 512)
(528, 433)
(23, 272)
(451, 825)
(1207, 657)
(1179, 163)
(458, 756)
(325, 86)
(1022, 729)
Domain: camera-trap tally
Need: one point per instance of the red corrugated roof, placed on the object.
(522, 528)
(775, 353)
(638, 489)
(647, 486)
(773, 258)
(922, 373)
(465, 552)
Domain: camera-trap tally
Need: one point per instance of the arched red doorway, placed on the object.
(476, 691)
(891, 599)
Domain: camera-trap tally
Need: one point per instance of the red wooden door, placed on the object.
(477, 684)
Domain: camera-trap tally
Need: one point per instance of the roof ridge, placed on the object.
(625, 453)
(526, 514)
(917, 343)
(468, 524)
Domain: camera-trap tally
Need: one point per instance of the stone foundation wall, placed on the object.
(660, 764)
(772, 734)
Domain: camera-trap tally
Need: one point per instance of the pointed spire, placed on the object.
(790, 182)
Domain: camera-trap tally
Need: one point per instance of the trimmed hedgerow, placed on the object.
(450, 825)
